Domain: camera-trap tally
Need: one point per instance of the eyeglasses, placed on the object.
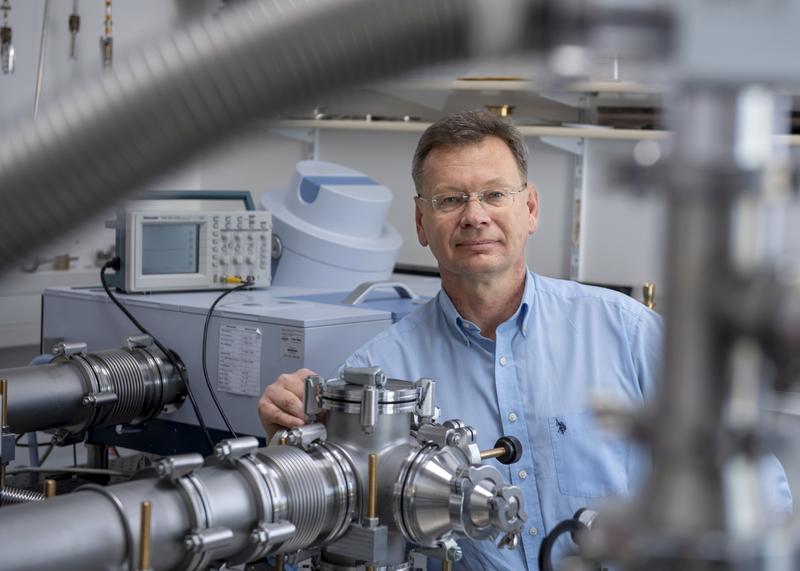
(447, 202)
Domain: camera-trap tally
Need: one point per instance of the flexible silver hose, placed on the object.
(142, 381)
(206, 82)
(10, 496)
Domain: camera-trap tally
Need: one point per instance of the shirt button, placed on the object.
(512, 417)
(504, 361)
(533, 531)
(523, 474)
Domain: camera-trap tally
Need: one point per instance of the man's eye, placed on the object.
(450, 200)
(494, 195)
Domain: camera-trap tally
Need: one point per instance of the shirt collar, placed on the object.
(524, 312)
(521, 316)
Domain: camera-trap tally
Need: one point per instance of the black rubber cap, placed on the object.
(513, 448)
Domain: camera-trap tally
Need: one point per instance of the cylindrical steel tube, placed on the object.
(142, 381)
(229, 495)
(290, 485)
(685, 495)
(55, 388)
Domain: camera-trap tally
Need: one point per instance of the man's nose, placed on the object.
(474, 212)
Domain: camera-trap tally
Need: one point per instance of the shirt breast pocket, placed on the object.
(589, 462)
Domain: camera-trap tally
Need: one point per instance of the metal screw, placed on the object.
(454, 554)
(192, 543)
(258, 536)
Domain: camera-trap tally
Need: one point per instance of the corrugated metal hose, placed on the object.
(203, 84)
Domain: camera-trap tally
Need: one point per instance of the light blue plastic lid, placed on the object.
(335, 215)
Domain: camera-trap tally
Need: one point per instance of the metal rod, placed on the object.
(492, 453)
(40, 67)
(649, 295)
(372, 506)
(3, 424)
(372, 492)
(144, 543)
(49, 488)
(280, 558)
(447, 565)
(4, 406)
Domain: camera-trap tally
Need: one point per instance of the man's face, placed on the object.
(478, 239)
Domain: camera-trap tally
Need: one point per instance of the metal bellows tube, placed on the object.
(89, 390)
(308, 496)
(238, 499)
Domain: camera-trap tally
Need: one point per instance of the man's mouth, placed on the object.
(475, 243)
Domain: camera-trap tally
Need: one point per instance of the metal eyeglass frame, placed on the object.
(466, 198)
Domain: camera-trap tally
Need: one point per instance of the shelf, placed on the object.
(418, 127)
(588, 132)
(529, 86)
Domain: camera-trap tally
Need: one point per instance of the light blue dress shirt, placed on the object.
(565, 344)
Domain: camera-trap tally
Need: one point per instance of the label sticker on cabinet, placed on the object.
(292, 343)
(239, 359)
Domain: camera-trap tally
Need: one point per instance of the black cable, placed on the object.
(19, 437)
(545, 551)
(114, 265)
(205, 343)
(46, 454)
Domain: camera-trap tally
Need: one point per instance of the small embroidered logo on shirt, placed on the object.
(562, 428)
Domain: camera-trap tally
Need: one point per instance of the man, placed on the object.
(513, 352)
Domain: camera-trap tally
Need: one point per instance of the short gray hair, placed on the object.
(468, 128)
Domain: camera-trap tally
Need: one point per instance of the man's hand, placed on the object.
(281, 405)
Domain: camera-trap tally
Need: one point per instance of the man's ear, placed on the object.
(423, 240)
(533, 208)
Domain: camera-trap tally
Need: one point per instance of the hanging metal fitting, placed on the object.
(312, 396)
(7, 52)
(234, 448)
(67, 349)
(138, 341)
(176, 467)
(426, 410)
(99, 399)
(304, 436)
(208, 539)
(272, 533)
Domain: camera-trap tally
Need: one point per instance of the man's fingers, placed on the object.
(295, 382)
(281, 405)
(286, 420)
(288, 402)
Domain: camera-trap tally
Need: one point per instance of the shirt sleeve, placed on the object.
(775, 486)
(647, 349)
(357, 359)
